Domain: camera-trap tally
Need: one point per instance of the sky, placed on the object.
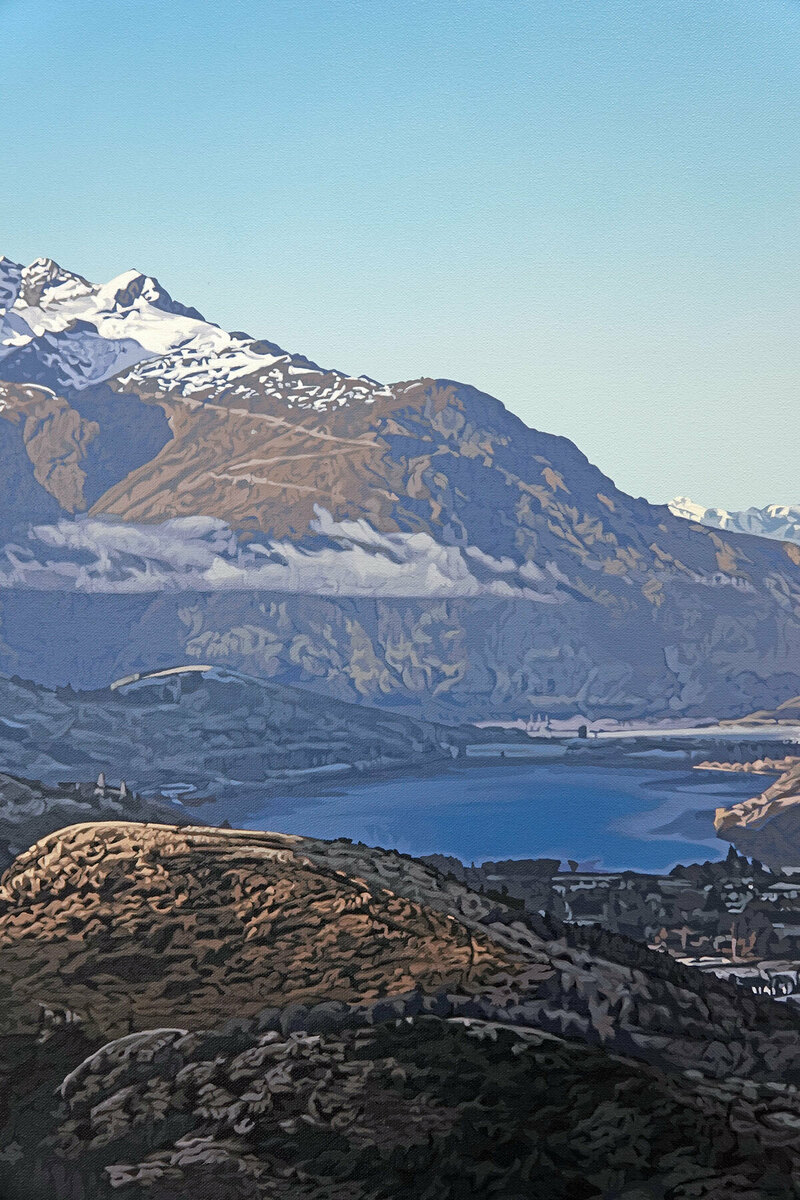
(588, 209)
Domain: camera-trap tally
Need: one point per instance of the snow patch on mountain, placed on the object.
(200, 366)
(780, 522)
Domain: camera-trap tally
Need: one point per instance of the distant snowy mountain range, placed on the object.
(175, 493)
(778, 521)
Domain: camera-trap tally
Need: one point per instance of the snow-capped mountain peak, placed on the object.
(44, 282)
(59, 330)
(49, 315)
(683, 506)
(126, 289)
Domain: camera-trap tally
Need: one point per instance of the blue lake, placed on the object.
(638, 818)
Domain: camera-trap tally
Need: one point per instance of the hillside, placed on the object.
(364, 1108)
(192, 924)
(194, 730)
(295, 1018)
(176, 494)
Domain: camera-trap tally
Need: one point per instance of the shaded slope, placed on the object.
(194, 730)
(361, 1108)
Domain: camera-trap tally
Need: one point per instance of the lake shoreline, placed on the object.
(628, 751)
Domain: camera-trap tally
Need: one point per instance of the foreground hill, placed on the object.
(124, 924)
(411, 544)
(183, 925)
(296, 1018)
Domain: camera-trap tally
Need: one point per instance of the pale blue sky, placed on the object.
(589, 209)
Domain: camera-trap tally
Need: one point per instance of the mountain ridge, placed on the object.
(387, 499)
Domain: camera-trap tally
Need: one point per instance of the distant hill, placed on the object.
(29, 810)
(787, 713)
(190, 730)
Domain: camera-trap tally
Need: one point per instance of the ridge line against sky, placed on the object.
(588, 211)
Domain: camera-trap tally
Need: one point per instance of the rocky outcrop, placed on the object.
(759, 766)
(768, 826)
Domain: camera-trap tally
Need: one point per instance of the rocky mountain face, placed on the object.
(177, 493)
(778, 521)
(248, 1014)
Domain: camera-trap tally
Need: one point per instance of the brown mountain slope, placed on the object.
(257, 466)
(56, 440)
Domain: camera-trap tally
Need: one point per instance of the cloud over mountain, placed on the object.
(203, 554)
